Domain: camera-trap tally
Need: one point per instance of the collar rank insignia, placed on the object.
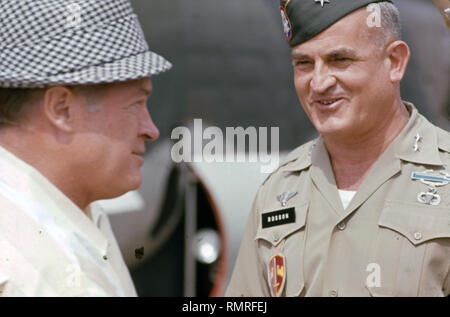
(276, 272)
(279, 217)
(417, 139)
(431, 197)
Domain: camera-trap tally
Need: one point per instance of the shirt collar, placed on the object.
(427, 152)
(418, 141)
(300, 158)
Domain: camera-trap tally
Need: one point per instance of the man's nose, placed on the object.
(148, 129)
(322, 79)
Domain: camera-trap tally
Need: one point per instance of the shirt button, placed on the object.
(417, 236)
(105, 257)
(276, 236)
(333, 293)
(341, 225)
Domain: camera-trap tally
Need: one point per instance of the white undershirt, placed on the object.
(346, 196)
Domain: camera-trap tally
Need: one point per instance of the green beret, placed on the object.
(304, 19)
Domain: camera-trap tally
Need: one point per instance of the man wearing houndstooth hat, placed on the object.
(74, 83)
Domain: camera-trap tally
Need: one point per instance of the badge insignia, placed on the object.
(432, 180)
(287, 26)
(430, 197)
(276, 274)
(284, 197)
(322, 2)
(279, 217)
(427, 177)
(417, 139)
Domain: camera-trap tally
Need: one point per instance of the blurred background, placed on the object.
(180, 232)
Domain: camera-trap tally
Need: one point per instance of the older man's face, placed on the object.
(342, 78)
(113, 138)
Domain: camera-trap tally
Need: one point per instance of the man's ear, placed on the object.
(398, 54)
(60, 107)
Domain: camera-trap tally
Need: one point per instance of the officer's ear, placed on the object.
(398, 55)
(60, 106)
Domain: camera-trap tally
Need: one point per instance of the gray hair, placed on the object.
(390, 26)
(390, 19)
(388, 23)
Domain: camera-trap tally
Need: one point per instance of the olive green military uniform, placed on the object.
(385, 230)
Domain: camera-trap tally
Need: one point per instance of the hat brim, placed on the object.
(133, 67)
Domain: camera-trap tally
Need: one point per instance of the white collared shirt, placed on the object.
(48, 246)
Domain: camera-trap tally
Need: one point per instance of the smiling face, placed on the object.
(111, 138)
(342, 78)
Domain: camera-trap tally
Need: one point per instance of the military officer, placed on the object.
(364, 209)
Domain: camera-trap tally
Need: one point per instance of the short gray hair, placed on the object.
(389, 26)
(390, 19)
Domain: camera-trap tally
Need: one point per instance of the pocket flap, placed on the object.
(277, 233)
(418, 223)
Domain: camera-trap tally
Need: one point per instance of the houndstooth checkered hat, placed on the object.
(69, 42)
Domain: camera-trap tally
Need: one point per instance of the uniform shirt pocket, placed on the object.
(412, 249)
(418, 223)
